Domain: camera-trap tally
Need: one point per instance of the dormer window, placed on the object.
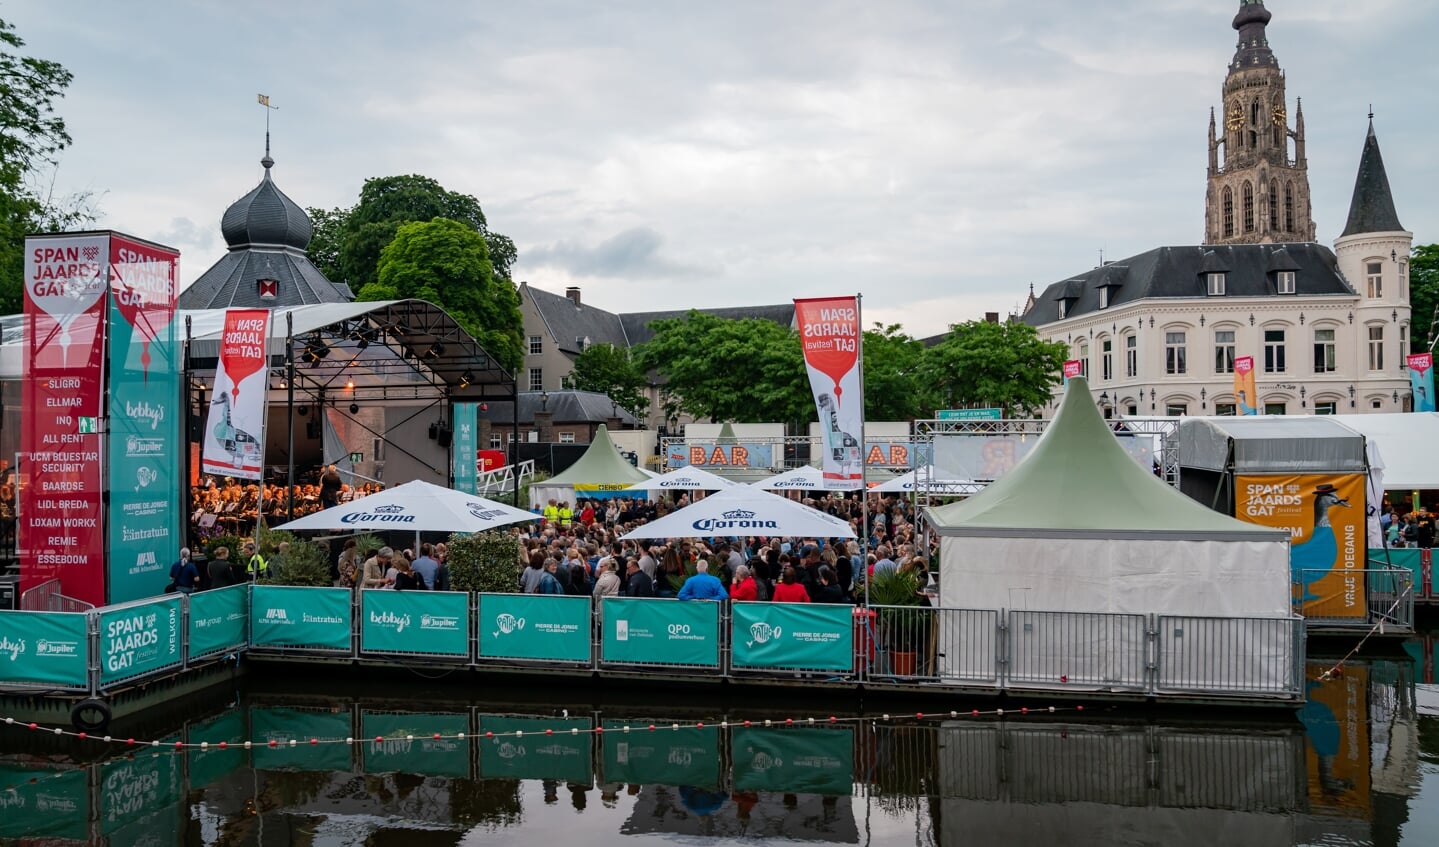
(1216, 284)
(1285, 281)
(267, 289)
(1063, 309)
(1104, 297)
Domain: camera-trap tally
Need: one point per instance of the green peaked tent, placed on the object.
(599, 471)
(1078, 525)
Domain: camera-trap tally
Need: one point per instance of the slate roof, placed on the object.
(565, 407)
(266, 216)
(1372, 209)
(1178, 272)
(568, 320)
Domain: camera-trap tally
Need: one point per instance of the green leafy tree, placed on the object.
(447, 263)
(487, 561)
(892, 387)
(328, 233)
(745, 370)
(1004, 365)
(1423, 295)
(610, 370)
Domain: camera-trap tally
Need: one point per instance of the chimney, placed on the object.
(991, 317)
(573, 292)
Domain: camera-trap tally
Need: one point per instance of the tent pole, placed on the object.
(515, 438)
(289, 411)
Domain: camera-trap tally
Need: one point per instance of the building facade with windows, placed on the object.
(1328, 330)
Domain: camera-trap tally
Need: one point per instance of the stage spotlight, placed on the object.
(436, 350)
(467, 378)
(350, 384)
(315, 350)
(354, 408)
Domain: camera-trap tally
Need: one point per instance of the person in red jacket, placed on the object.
(790, 589)
(744, 587)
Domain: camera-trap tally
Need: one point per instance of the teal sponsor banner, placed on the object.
(407, 743)
(430, 622)
(688, 756)
(144, 452)
(213, 764)
(218, 620)
(535, 626)
(465, 449)
(40, 804)
(138, 797)
(670, 632)
(817, 636)
(290, 616)
(139, 639)
(534, 755)
(794, 761)
(283, 725)
(43, 647)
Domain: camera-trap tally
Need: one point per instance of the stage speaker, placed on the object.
(443, 436)
(312, 430)
(197, 429)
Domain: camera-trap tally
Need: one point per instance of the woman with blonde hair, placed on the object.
(608, 585)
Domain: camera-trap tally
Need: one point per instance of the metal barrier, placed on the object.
(1076, 650)
(920, 644)
(1381, 597)
(1229, 655)
(46, 597)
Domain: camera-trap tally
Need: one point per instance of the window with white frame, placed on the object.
(1176, 410)
(1063, 309)
(1286, 282)
(1326, 407)
(537, 345)
(1376, 348)
(1106, 360)
(1224, 351)
(1275, 408)
(1324, 351)
(1216, 285)
(537, 379)
(496, 442)
(1174, 353)
(1084, 360)
(1104, 297)
(567, 438)
(1274, 351)
(1374, 273)
(1404, 347)
(1131, 356)
(1224, 409)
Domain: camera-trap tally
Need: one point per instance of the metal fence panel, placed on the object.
(1384, 597)
(1250, 656)
(1076, 649)
(661, 634)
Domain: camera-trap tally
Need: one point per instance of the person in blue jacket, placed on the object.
(702, 586)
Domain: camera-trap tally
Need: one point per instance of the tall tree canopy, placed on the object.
(347, 243)
(1001, 365)
(737, 370)
(893, 390)
(1423, 294)
(611, 370)
(447, 263)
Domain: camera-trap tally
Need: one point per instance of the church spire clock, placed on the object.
(1258, 190)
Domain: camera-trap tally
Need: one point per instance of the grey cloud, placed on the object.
(634, 253)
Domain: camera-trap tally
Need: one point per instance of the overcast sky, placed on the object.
(936, 157)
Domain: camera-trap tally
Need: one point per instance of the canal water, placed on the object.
(1358, 766)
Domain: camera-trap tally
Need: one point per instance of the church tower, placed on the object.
(1259, 186)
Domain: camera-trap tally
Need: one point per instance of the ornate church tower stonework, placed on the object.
(1258, 177)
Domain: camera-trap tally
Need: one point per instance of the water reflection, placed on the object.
(1354, 768)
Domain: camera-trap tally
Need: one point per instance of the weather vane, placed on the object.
(264, 100)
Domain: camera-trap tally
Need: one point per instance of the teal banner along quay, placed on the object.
(139, 638)
(430, 622)
(43, 647)
(688, 756)
(535, 626)
(143, 525)
(283, 725)
(211, 764)
(138, 795)
(218, 620)
(289, 616)
(794, 761)
(465, 449)
(535, 755)
(816, 636)
(670, 632)
(40, 804)
(408, 745)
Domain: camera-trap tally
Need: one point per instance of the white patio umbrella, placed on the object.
(414, 507)
(806, 478)
(744, 510)
(932, 481)
(684, 479)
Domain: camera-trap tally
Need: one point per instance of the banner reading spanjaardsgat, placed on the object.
(1246, 397)
(1421, 381)
(830, 336)
(144, 431)
(1325, 517)
(235, 429)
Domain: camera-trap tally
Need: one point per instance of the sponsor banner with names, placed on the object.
(969, 415)
(830, 338)
(434, 622)
(534, 755)
(43, 647)
(464, 448)
(283, 725)
(140, 638)
(290, 616)
(43, 803)
(144, 431)
(408, 744)
(794, 761)
(668, 632)
(535, 626)
(218, 620)
(62, 478)
(211, 764)
(1421, 381)
(139, 799)
(815, 636)
(234, 438)
(686, 756)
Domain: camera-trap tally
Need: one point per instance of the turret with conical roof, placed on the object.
(1372, 209)
(1373, 255)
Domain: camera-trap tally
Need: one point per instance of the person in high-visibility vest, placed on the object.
(567, 515)
(256, 567)
(552, 513)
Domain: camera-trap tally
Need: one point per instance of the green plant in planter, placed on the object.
(487, 561)
(901, 619)
(305, 564)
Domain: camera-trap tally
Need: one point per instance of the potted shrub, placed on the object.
(902, 622)
(486, 561)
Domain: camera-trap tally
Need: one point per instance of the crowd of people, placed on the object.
(228, 506)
